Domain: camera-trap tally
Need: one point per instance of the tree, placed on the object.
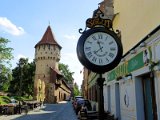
(69, 77)
(66, 72)
(76, 90)
(28, 72)
(5, 57)
(5, 78)
(5, 52)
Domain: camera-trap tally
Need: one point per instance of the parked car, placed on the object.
(13, 101)
(82, 103)
(77, 97)
(75, 100)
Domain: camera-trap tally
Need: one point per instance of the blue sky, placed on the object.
(24, 23)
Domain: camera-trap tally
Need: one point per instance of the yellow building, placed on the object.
(135, 19)
(86, 73)
(131, 90)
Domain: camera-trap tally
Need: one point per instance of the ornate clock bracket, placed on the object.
(98, 20)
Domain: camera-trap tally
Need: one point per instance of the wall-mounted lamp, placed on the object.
(155, 64)
(118, 78)
(133, 51)
(143, 44)
(129, 75)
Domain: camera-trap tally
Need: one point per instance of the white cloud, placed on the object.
(20, 56)
(23, 56)
(7, 26)
(16, 60)
(70, 37)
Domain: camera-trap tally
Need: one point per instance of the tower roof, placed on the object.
(48, 38)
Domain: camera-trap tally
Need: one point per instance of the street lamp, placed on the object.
(21, 64)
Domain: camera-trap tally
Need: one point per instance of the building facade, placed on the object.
(47, 56)
(131, 90)
(84, 86)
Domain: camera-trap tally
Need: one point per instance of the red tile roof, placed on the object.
(57, 71)
(48, 38)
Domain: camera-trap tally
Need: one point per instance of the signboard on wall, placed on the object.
(138, 61)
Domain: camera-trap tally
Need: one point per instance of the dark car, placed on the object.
(75, 100)
(82, 102)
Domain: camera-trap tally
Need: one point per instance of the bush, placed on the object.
(4, 100)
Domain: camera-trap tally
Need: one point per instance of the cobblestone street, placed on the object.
(61, 111)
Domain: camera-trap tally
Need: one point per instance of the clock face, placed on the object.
(100, 48)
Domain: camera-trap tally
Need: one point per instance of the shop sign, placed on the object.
(92, 22)
(140, 60)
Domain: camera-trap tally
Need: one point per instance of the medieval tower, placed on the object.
(47, 56)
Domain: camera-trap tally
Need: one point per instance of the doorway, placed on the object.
(109, 98)
(150, 107)
(117, 98)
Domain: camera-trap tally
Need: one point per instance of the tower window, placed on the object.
(49, 47)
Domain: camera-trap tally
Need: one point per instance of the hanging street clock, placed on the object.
(99, 49)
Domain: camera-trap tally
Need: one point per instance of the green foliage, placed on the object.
(69, 78)
(7, 99)
(24, 98)
(4, 100)
(5, 57)
(76, 90)
(66, 72)
(5, 78)
(27, 73)
(5, 52)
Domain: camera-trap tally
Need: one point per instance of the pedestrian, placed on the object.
(25, 108)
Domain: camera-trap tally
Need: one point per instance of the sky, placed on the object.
(24, 22)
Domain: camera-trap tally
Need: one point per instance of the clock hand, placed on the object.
(98, 42)
(98, 50)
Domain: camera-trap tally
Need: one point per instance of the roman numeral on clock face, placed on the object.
(89, 54)
(112, 49)
(94, 38)
(94, 59)
(107, 60)
(89, 42)
(88, 48)
(110, 42)
(100, 36)
(100, 61)
(111, 55)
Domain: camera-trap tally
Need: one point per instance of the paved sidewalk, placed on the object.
(61, 111)
(13, 117)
